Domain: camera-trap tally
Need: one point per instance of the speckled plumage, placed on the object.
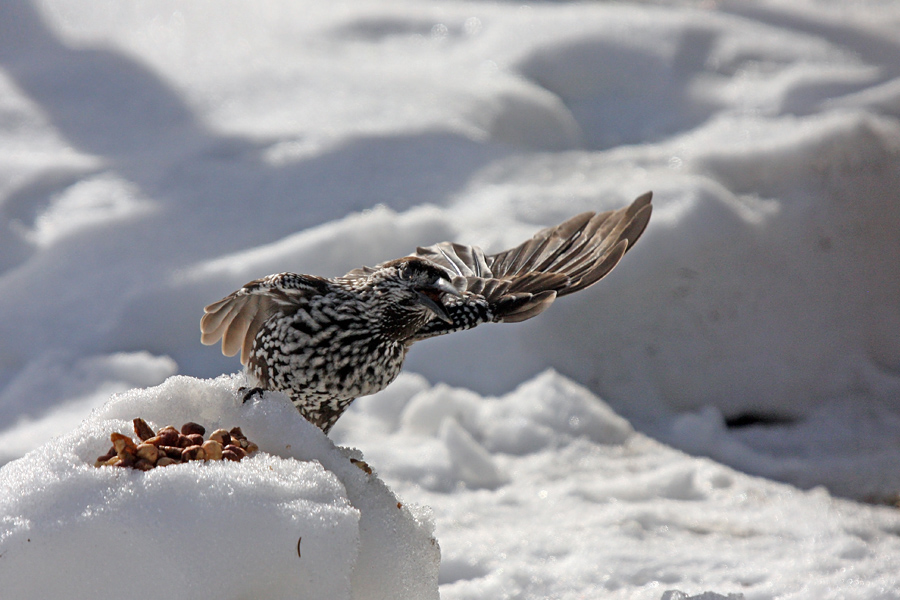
(326, 342)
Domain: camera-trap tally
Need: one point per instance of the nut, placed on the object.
(171, 451)
(237, 450)
(102, 460)
(222, 436)
(123, 444)
(169, 437)
(232, 452)
(142, 430)
(193, 453)
(122, 461)
(213, 450)
(169, 447)
(165, 437)
(191, 427)
(143, 465)
(147, 452)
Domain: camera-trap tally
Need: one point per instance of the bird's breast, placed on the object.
(323, 351)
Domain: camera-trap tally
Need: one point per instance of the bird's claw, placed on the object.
(248, 393)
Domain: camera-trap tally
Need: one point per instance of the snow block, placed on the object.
(295, 520)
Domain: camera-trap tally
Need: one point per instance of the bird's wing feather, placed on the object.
(360, 273)
(237, 318)
(461, 260)
(522, 282)
(584, 248)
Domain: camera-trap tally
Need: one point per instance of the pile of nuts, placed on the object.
(169, 447)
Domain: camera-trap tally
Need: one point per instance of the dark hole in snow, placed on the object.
(750, 419)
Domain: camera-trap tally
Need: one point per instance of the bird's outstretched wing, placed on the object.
(237, 318)
(520, 283)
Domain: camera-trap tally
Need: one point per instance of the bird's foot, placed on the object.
(250, 392)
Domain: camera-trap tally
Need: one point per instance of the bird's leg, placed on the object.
(250, 392)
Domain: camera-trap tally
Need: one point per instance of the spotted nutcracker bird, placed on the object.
(325, 342)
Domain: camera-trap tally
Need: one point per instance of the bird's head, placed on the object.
(417, 287)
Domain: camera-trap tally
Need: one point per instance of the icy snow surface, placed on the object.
(155, 155)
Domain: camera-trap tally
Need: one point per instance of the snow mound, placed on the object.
(295, 520)
(454, 436)
(590, 508)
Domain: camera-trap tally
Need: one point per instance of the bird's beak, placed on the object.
(430, 298)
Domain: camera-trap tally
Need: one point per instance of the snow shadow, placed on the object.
(178, 191)
(109, 105)
(626, 93)
(863, 43)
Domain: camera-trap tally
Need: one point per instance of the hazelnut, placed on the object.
(237, 450)
(166, 437)
(222, 436)
(142, 430)
(171, 451)
(147, 452)
(122, 461)
(102, 460)
(169, 447)
(213, 450)
(191, 427)
(143, 464)
(123, 444)
(193, 453)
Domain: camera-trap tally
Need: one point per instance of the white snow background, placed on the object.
(722, 413)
